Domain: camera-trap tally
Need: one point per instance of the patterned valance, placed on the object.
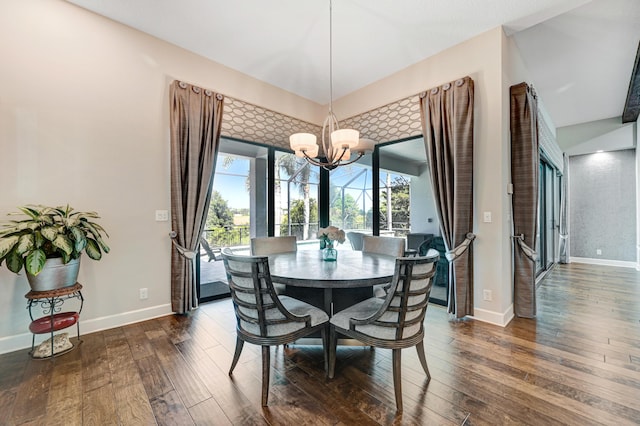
(245, 121)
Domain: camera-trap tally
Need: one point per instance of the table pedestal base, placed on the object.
(331, 300)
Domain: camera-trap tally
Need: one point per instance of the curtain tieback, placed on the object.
(189, 254)
(528, 251)
(452, 255)
(564, 236)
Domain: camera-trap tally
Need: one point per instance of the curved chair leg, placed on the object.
(423, 359)
(266, 367)
(236, 355)
(333, 342)
(397, 378)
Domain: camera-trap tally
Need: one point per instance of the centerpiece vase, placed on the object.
(329, 254)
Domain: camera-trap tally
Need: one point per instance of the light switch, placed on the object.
(162, 215)
(487, 217)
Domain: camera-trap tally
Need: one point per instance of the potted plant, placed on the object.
(48, 242)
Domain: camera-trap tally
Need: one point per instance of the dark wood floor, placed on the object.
(577, 364)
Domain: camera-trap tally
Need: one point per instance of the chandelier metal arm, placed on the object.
(333, 164)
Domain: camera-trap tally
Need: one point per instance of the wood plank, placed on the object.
(7, 401)
(32, 395)
(209, 413)
(185, 380)
(154, 378)
(138, 342)
(133, 405)
(95, 362)
(169, 410)
(99, 407)
(64, 406)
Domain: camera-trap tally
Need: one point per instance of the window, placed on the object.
(295, 189)
(351, 196)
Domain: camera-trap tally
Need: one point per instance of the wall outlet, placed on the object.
(486, 217)
(598, 252)
(162, 215)
(144, 293)
(487, 295)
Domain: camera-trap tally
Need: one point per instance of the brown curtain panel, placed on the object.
(447, 126)
(196, 116)
(525, 163)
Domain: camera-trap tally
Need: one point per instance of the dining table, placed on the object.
(331, 285)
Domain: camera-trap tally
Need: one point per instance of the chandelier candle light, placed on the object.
(337, 146)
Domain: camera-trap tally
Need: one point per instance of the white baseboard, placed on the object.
(22, 341)
(496, 318)
(605, 262)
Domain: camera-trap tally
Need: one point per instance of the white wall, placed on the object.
(609, 135)
(84, 120)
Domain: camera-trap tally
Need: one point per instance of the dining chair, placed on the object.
(356, 240)
(263, 317)
(395, 322)
(392, 246)
(264, 246)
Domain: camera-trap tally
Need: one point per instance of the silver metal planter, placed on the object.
(55, 275)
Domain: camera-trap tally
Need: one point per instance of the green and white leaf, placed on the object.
(50, 232)
(14, 262)
(63, 243)
(79, 238)
(6, 244)
(24, 244)
(93, 250)
(38, 239)
(35, 262)
(103, 245)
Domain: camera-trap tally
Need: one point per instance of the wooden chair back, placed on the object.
(399, 321)
(261, 317)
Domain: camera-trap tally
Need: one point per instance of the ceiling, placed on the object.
(580, 53)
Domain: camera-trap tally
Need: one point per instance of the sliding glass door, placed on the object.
(548, 216)
(237, 211)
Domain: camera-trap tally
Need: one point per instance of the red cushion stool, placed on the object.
(61, 320)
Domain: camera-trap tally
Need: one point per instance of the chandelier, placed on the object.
(337, 143)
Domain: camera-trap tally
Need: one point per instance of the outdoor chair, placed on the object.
(214, 254)
(395, 322)
(263, 317)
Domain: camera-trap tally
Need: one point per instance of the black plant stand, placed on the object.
(53, 319)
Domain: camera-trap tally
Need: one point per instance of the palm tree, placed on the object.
(300, 173)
